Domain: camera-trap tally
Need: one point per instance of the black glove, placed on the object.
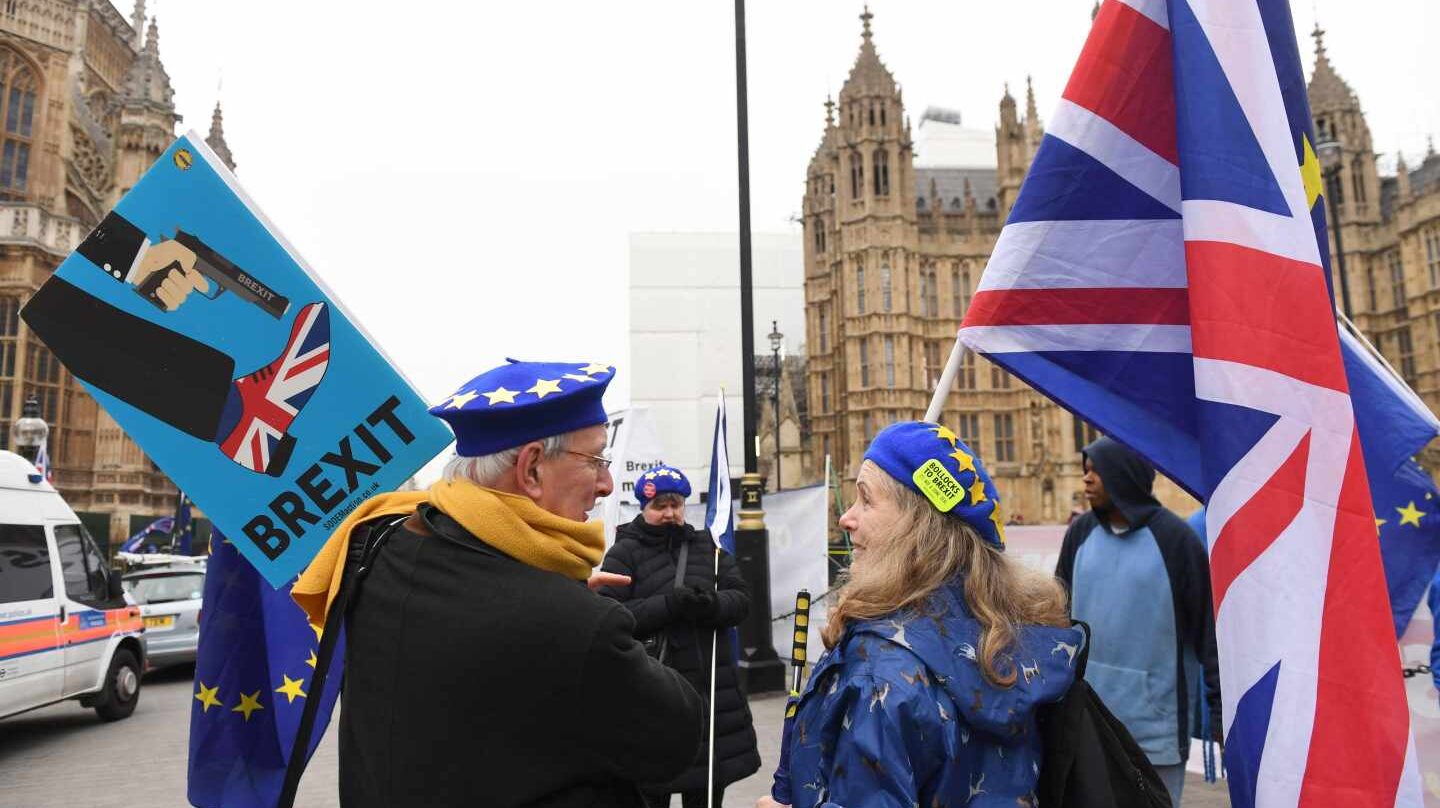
(682, 603)
(708, 608)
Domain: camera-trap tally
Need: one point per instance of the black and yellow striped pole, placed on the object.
(802, 639)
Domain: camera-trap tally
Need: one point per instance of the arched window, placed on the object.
(18, 90)
(885, 299)
(860, 289)
(957, 310)
(819, 234)
(857, 175)
(924, 289)
(882, 114)
(933, 304)
(872, 113)
(880, 161)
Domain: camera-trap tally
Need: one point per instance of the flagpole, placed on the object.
(947, 381)
(714, 647)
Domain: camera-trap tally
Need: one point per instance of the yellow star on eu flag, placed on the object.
(1410, 515)
(501, 396)
(312, 660)
(1311, 174)
(248, 704)
(206, 696)
(291, 689)
(544, 387)
(459, 400)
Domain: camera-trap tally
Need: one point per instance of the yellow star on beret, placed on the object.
(967, 463)
(999, 522)
(576, 377)
(501, 395)
(544, 387)
(594, 367)
(977, 492)
(459, 400)
(944, 433)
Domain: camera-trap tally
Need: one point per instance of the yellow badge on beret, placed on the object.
(939, 485)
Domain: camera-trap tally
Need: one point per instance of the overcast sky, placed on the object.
(465, 174)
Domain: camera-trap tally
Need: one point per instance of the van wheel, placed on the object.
(122, 687)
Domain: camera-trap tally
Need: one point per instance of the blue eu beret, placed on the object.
(523, 401)
(661, 480)
(933, 462)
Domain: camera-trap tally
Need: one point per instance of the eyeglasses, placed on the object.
(600, 462)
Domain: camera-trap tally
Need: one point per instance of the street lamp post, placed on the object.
(29, 432)
(761, 670)
(1329, 151)
(777, 340)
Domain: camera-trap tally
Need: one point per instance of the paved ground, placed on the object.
(62, 756)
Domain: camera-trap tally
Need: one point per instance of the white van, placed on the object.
(67, 630)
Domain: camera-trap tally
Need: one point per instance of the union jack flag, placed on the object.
(1162, 275)
(271, 397)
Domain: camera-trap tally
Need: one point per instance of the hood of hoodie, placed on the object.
(1129, 479)
(947, 639)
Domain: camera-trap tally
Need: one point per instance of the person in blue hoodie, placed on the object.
(939, 648)
(1140, 577)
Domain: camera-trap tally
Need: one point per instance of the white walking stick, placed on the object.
(714, 647)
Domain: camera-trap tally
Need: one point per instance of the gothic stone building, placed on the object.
(86, 107)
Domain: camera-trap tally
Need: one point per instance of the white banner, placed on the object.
(798, 524)
(634, 449)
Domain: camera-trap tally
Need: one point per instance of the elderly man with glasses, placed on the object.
(480, 669)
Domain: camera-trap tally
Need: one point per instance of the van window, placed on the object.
(80, 566)
(24, 564)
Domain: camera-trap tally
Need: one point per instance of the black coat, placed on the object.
(473, 679)
(649, 554)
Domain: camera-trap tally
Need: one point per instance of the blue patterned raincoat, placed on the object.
(898, 714)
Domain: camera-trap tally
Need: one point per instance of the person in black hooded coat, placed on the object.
(680, 623)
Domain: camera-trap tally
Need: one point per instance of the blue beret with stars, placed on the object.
(661, 480)
(519, 402)
(933, 462)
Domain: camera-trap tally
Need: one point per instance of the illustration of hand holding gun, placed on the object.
(177, 379)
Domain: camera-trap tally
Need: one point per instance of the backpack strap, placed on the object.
(1084, 655)
(350, 582)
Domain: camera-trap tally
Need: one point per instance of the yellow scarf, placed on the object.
(512, 524)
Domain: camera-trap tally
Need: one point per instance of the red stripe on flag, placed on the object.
(1125, 76)
(1124, 306)
(1264, 310)
(1362, 720)
(323, 356)
(1259, 522)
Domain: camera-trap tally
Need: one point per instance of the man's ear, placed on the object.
(527, 469)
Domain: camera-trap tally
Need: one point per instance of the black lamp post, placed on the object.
(777, 340)
(29, 432)
(761, 670)
(1329, 151)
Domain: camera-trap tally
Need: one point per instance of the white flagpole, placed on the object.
(947, 381)
(714, 649)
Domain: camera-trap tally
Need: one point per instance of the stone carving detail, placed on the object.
(94, 169)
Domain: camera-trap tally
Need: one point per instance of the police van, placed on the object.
(67, 630)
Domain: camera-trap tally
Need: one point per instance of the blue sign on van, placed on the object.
(206, 337)
(92, 619)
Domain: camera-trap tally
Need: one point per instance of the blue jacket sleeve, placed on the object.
(780, 786)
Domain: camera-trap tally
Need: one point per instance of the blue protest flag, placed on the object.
(184, 526)
(719, 513)
(141, 541)
(252, 675)
(1394, 426)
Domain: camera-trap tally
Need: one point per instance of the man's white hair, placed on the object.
(487, 470)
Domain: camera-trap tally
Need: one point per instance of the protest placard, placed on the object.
(207, 338)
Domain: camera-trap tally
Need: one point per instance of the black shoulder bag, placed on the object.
(1089, 758)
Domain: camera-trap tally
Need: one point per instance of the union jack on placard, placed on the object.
(268, 400)
(1162, 275)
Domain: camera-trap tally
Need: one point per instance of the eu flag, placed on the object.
(252, 675)
(1394, 426)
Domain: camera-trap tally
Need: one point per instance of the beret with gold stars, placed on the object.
(523, 401)
(933, 462)
(661, 480)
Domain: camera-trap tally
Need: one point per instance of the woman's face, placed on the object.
(873, 515)
(666, 509)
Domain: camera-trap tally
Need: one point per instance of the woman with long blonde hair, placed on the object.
(939, 648)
